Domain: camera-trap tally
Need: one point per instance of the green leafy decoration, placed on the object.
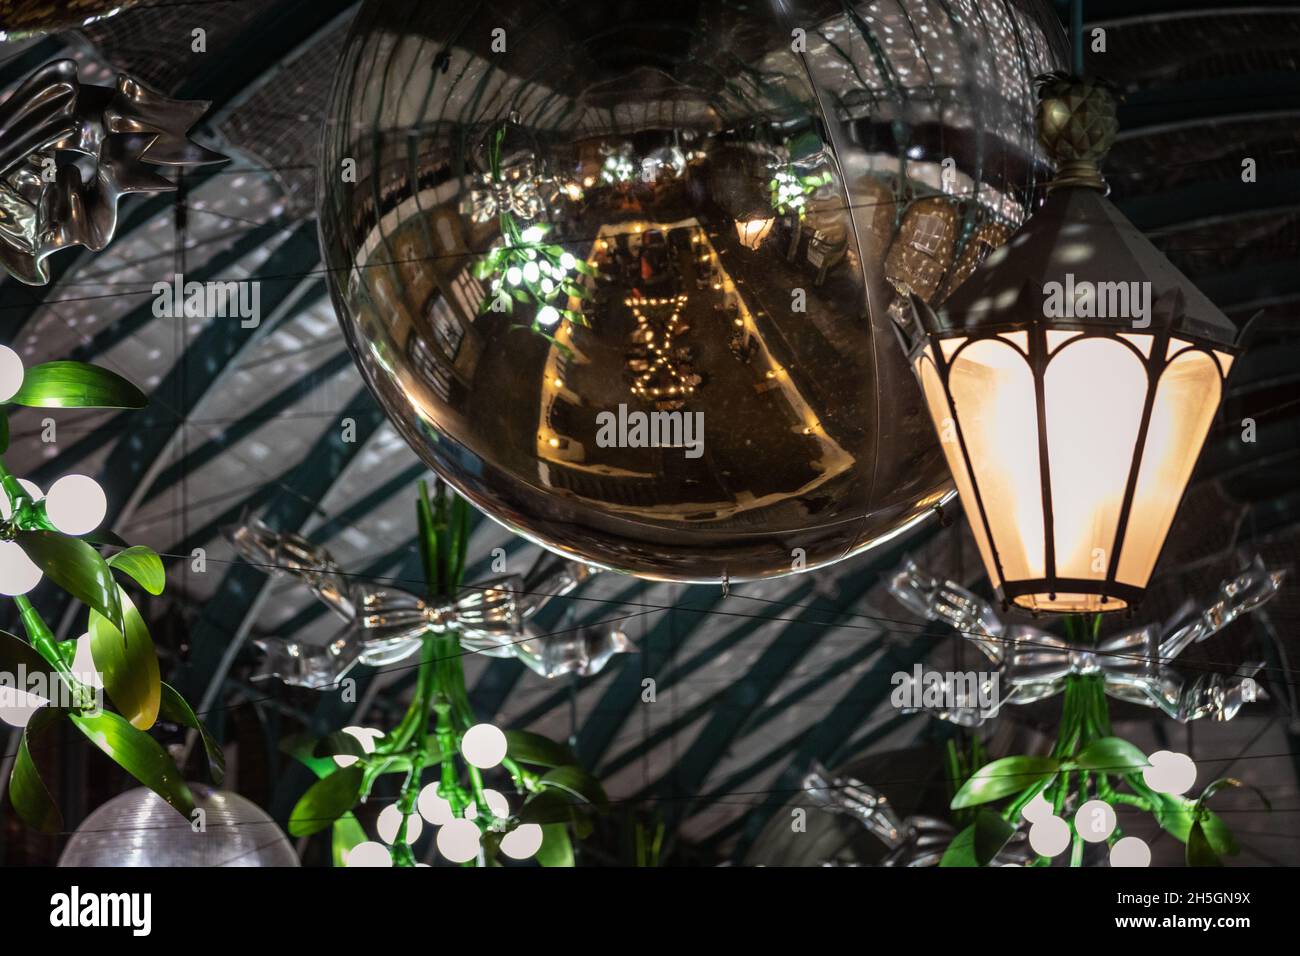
(129, 664)
(27, 790)
(346, 835)
(576, 782)
(173, 707)
(143, 565)
(556, 848)
(139, 755)
(1199, 851)
(77, 568)
(4, 434)
(338, 743)
(1109, 755)
(530, 748)
(1001, 778)
(102, 537)
(16, 654)
(301, 747)
(980, 842)
(76, 385)
(325, 801)
(546, 806)
(1209, 838)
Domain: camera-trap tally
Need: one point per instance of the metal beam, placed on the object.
(1164, 210)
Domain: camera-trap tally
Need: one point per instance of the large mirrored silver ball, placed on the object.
(138, 828)
(622, 272)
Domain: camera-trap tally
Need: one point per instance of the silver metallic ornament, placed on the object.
(385, 625)
(1034, 664)
(138, 828)
(911, 841)
(69, 152)
(789, 194)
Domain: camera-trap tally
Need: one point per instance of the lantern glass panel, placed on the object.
(993, 390)
(1186, 398)
(1094, 392)
(937, 402)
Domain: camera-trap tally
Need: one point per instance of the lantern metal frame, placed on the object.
(924, 336)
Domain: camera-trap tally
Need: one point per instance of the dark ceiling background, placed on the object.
(752, 686)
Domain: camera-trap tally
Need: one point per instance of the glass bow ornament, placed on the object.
(1134, 665)
(385, 624)
(52, 125)
(785, 170)
(470, 822)
(911, 841)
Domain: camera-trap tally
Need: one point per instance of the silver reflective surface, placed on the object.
(137, 828)
(622, 272)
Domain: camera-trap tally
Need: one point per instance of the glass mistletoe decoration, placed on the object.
(385, 625)
(45, 682)
(475, 824)
(523, 268)
(1134, 665)
(1066, 800)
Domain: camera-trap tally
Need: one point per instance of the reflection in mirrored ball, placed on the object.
(138, 828)
(625, 281)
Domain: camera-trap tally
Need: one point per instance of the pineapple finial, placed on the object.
(1077, 126)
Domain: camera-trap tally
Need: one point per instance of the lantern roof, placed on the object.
(1079, 240)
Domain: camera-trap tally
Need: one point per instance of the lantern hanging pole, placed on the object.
(1076, 34)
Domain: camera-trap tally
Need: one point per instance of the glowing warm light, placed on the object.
(752, 232)
(1069, 512)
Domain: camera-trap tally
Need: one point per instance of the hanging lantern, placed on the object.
(1072, 380)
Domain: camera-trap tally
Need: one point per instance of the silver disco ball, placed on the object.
(622, 272)
(138, 828)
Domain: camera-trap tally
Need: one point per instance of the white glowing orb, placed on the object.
(1130, 851)
(522, 842)
(1095, 821)
(1170, 772)
(365, 736)
(75, 504)
(18, 573)
(369, 853)
(83, 664)
(390, 819)
(1037, 808)
(17, 706)
(11, 373)
(1049, 836)
(433, 807)
(458, 841)
(496, 802)
(483, 746)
